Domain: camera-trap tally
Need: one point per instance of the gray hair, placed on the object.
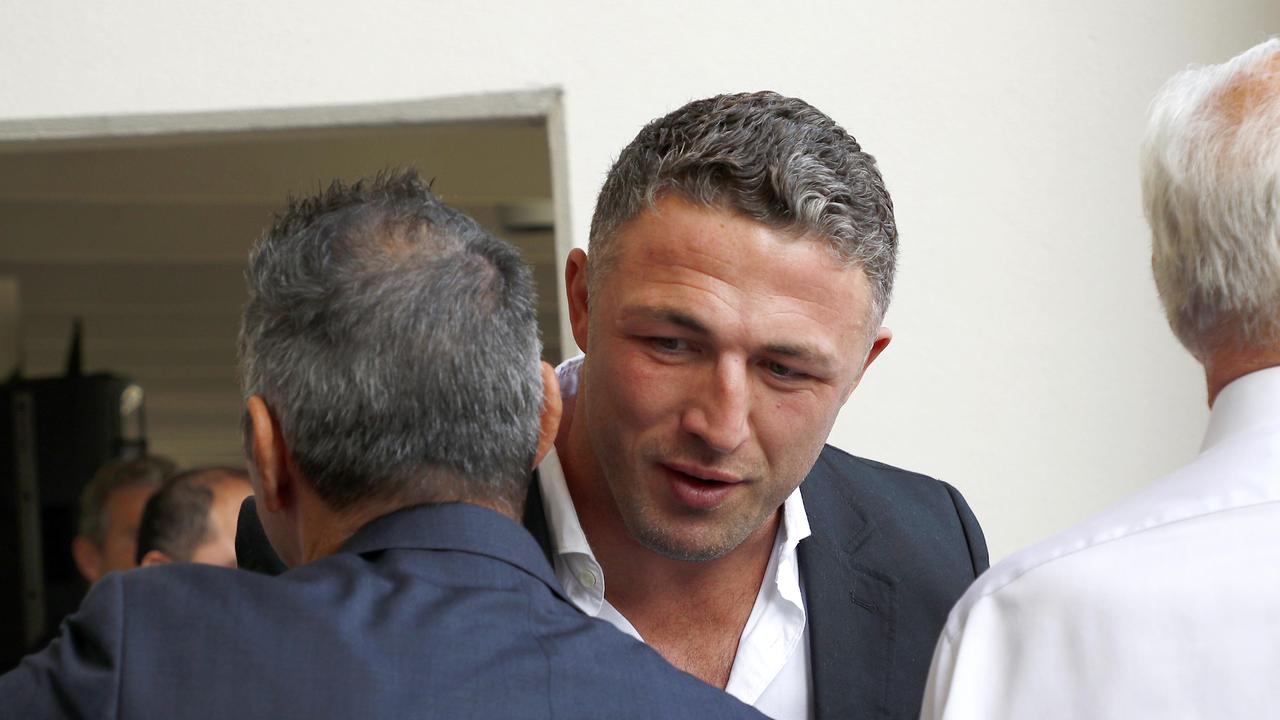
(396, 343)
(1211, 188)
(775, 159)
(148, 470)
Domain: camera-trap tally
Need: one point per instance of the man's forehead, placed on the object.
(129, 494)
(694, 263)
(666, 269)
(674, 225)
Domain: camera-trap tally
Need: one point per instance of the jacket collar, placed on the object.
(458, 527)
(851, 606)
(535, 519)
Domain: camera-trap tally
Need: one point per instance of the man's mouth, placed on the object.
(704, 474)
(699, 487)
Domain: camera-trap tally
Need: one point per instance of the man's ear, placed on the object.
(575, 287)
(270, 457)
(883, 336)
(155, 557)
(88, 558)
(552, 409)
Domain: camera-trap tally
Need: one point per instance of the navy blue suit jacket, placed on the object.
(446, 611)
(891, 552)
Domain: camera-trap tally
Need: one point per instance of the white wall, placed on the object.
(1031, 367)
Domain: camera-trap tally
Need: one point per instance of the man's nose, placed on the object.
(718, 410)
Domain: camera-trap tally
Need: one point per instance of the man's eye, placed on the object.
(782, 371)
(669, 345)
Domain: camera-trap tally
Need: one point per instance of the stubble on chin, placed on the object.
(695, 536)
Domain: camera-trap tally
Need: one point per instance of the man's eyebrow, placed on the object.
(810, 354)
(666, 315)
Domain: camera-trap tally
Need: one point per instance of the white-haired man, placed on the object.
(1165, 605)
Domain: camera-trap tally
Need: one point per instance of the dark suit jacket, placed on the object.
(447, 611)
(891, 552)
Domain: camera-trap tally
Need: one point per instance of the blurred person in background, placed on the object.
(110, 510)
(192, 518)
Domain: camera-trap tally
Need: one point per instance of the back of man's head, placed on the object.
(192, 517)
(1211, 186)
(110, 507)
(777, 160)
(395, 343)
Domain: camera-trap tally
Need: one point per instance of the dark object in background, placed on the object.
(54, 433)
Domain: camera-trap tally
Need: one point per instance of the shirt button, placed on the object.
(587, 578)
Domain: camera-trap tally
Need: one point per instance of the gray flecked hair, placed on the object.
(396, 342)
(775, 159)
(1211, 189)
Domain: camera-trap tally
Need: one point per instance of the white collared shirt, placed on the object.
(771, 669)
(1166, 605)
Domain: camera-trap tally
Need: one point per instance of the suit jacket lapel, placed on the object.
(851, 607)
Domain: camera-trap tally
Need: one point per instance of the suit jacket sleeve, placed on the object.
(972, 532)
(77, 674)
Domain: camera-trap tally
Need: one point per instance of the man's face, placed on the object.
(220, 546)
(123, 513)
(719, 352)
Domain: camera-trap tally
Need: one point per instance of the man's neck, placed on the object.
(321, 532)
(1233, 361)
(676, 605)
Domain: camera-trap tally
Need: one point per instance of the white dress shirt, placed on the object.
(771, 669)
(1166, 605)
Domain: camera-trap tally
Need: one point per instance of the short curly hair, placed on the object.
(777, 160)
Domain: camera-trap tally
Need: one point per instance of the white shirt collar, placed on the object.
(575, 565)
(1245, 405)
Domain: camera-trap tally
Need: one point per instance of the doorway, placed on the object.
(140, 227)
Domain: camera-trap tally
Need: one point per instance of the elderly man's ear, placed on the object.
(274, 467)
(552, 409)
